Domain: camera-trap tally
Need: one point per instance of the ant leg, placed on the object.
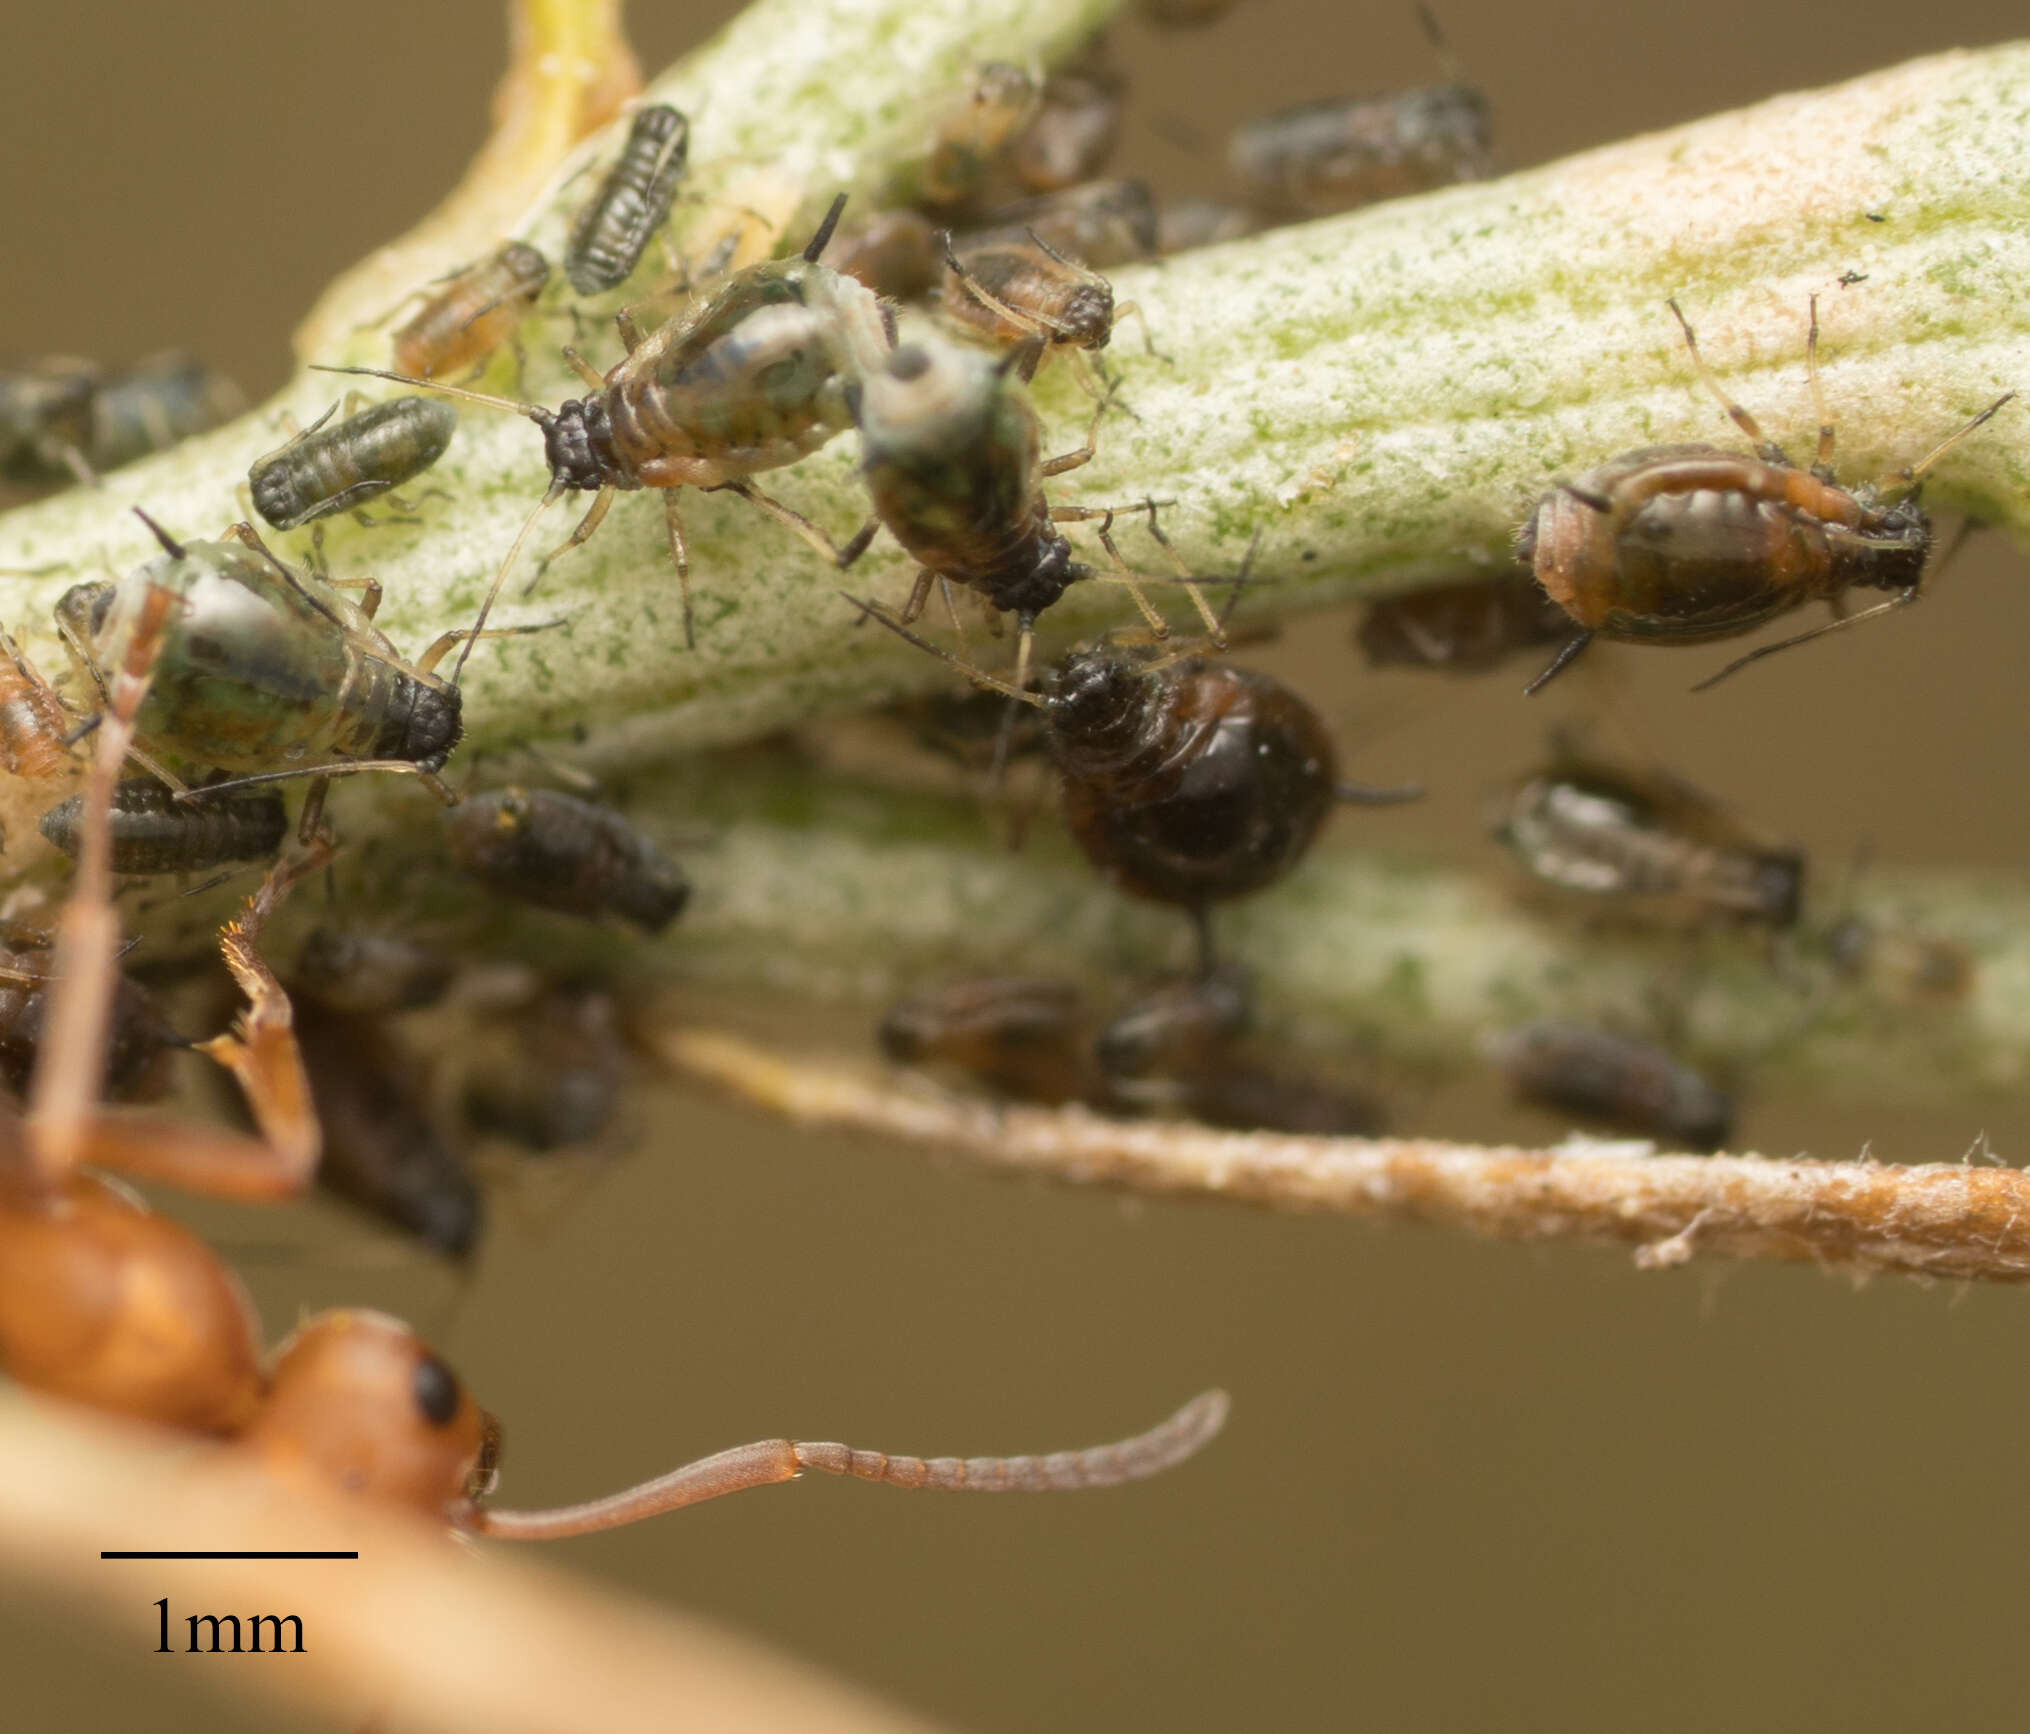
(1122, 573)
(673, 521)
(768, 1461)
(72, 1062)
(312, 820)
(1765, 448)
(1367, 795)
(1559, 663)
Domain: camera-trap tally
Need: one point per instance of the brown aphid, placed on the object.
(553, 850)
(894, 253)
(1028, 1037)
(472, 315)
(370, 971)
(382, 1150)
(1099, 223)
(33, 721)
(1178, 1028)
(341, 467)
(973, 136)
(154, 832)
(1072, 133)
(1344, 152)
(1461, 628)
(1684, 544)
(1013, 293)
(1645, 846)
(1899, 964)
(1629, 1085)
(560, 1080)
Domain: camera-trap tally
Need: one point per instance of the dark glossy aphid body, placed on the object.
(156, 403)
(472, 315)
(551, 849)
(1344, 152)
(560, 1079)
(153, 832)
(1025, 1037)
(262, 669)
(46, 420)
(1630, 1085)
(632, 203)
(1099, 223)
(370, 971)
(341, 467)
(1191, 783)
(1462, 628)
(382, 1151)
(1645, 845)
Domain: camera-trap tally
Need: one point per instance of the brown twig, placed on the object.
(1937, 1219)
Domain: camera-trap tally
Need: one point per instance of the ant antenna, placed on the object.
(534, 411)
(1914, 471)
(875, 612)
(170, 545)
(818, 241)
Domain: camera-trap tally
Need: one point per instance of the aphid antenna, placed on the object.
(822, 236)
(1913, 473)
(550, 497)
(1902, 599)
(534, 411)
(338, 768)
(979, 677)
(1567, 654)
(170, 545)
(1449, 62)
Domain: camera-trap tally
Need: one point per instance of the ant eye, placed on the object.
(435, 1388)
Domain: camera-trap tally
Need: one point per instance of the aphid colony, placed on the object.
(220, 670)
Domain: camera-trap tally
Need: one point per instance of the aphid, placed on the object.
(155, 404)
(632, 203)
(752, 380)
(553, 850)
(264, 670)
(1180, 1027)
(1688, 543)
(339, 468)
(1071, 135)
(138, 1039)
(1343, 152)
(382, 1151)
(370, 971)
(33, 721)
(972, 137)
(1025, 1037)
(153, 832)
(894, 253)
(1629, 1084)
(1645, 845)
(950, 452)
(560, 1079)
(1100, 224)
(1010, 294)
(1899, 964)
(46, 420)
(472, 315)
(1463, 627)
(1185, 224)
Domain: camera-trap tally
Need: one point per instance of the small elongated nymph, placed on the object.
(153, 832)
(632, 203)
(544, 847)
(472, 315)
(340, 467)
(1631, 1085)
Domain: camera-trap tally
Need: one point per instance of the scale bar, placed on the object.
(227, 1553)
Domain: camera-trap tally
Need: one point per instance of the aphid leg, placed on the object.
(1201, 935)
(1822, 461)
(1902, 599)
(951, 602)
(1073, 460)
(858, 543)
(369, 592)
(1559, 663)
(673, 522)
(1215, 626)
(584, 369)
(1124, 576)
(1765, 448)
(919, 594)
(769, 1461)
(72, 1063)
(875, 612)
(1004, 736)
(631, 334)
(832, 554)
(595, 515)
(1130, 310)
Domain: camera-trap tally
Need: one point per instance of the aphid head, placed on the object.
(83, 609)
(574, 441)
(1889, 551)
(656, 895)
(1042, 582)
(1087, 315)
(358, 1403)
(432, 727)
(1094, 692)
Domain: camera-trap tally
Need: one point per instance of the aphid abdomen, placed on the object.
(633, 202)
(336, 468)
(32, 722)
(557, 852)
(153, 832)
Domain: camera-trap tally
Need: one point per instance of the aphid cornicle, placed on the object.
(1461, 628)
(1029, 1037)
(1631, 1085)
(473, 315)
(1684, 544)
(1344, 152)
(632, 202)
(262, 669)
(339, 468)
(1645, 845)
(752, 380)
(154, 832)
(551, 849)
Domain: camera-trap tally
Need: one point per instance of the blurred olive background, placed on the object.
(1465, 1485)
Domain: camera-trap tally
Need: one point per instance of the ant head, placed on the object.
(358, 1403)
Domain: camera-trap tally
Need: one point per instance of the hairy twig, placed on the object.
(1935, 1220)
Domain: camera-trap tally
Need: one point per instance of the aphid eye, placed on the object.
(911, 361)
(435, 1388)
